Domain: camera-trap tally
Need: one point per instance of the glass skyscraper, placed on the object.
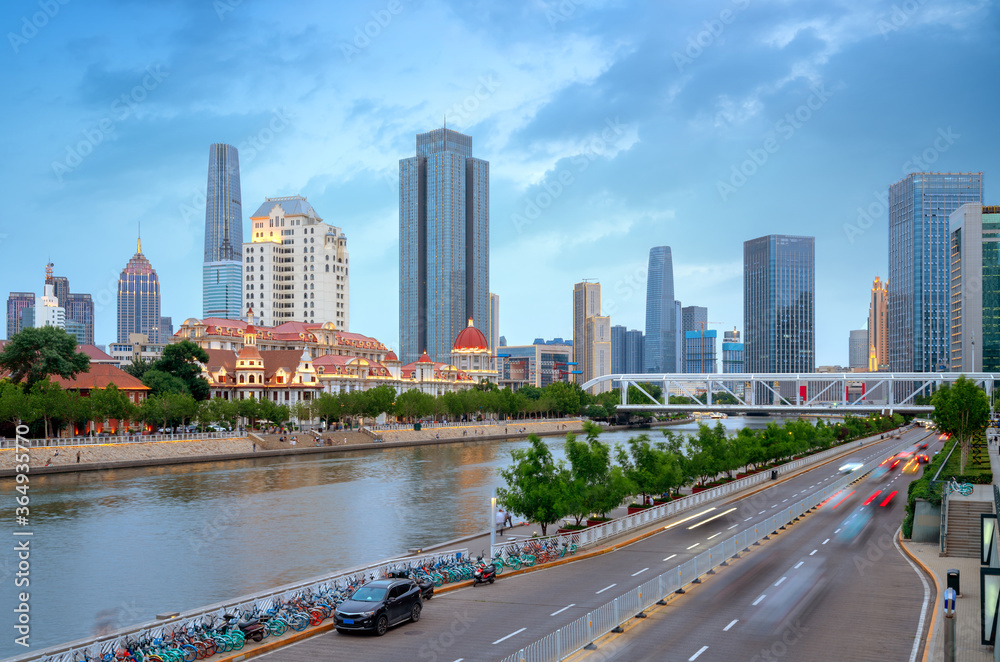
(919, 266)
(660, 345)
(222, 271)
(444, 197)
(16, 303)
(139, 299)
(779, 316)
(693, 318)
(975, 288)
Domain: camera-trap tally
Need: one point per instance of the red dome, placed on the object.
(471, 338)
(391, 356)
(424, 358)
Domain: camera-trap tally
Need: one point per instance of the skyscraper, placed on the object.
(50, 313)
(222, 270)
(678, 339)
(857, 350)
(779, 317)
(919, 275)
(591, 333)
(660, 343)
(493, 322)
(444, 196)
(699, 351)
(17, 302)
(635, 343)
(80, 311)
(878, 328)
(732, 352)
(975, 288)
(618, 349)
(693, 318)
(139, 299)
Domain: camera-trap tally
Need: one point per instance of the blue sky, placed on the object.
(610, 127)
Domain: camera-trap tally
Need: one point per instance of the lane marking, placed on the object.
(837, 531)
(563, 609)
(798, 565)
(670, 557)
(748, 519)
(694, 545)
(757, 601)
(605, 589)
(509, 636)
(762, 512)
(640, 572)
(689, 518)
(775, 506)
(732, 527)
(714, 535)
(731, 624)
(713, 517)
(813, 552)
(927, 596)
(780, 580)
(784, 500)
(826, 541)
(695, 656)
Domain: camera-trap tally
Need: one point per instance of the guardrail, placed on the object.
(585, 630)
(94, 648)
(616, 527)
(119, 439)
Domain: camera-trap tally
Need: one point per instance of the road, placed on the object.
(491, 622)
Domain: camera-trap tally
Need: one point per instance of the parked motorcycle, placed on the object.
(484, 573)
(252, 629)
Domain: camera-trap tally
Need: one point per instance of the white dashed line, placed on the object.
(695, 656)
(748, 519)
(640, 572)
(605, 589)
(837, 531)
(670, 557)
(694, 545)
(762, 512)
(563, 609)
(826, 541)
(714, 535)
(509, 636)
(732, 527)
(813, 552)
(777, 583)
(784, 500)
(798, 565)
(775, 506)
(731, 624)
(758, 600)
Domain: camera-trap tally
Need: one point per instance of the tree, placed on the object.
(961, 409)
(50, 401)
(110, 403)
(565, 397)
(182, 361)
(594, 483)
(379, 400)
(652, 469)
(13, 403)
(161, 382)
(35, 354)
(534, 486)
(327, 408)
(138, 367)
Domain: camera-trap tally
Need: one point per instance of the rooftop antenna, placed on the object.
(140, 237)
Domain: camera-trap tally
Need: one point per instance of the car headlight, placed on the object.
(367, 614)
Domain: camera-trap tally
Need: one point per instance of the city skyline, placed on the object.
(222, 275)
(576, 135)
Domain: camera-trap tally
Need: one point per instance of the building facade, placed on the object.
(693, 318)
(857, 350)
(139, 299)
(296, 266)
(138, 348)
(49, 312)
(618, 349)
(699, 351)
(586, 304)
(679, 339)
(779, 317)
(444, 196)
(732, 352)
(635, 345)
(493, 322)
(16, 303)
(80, 312)
(661, 338)
(222, 269)
(919, 279)
(975, 288)
(878, 327)
(597, 347)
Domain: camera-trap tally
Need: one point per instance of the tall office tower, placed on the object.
(699, 351)
(635, 342)
(678, 338)
(597, 345)
(693, 318)
(618, 353)
(659, 353)
(50, 313)
(878, 328)
(222, 270)
(586, 304)
(17, 302)
(779, 316)
(296, 266)
(493, 322)
(444, 218)
(80, 311)
(857, 350)
(60, 286)
(975, 288)
(732, 352)
(919, 278)
(166, 329)
(139, 299)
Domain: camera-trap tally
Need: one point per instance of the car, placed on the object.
(379, 605)
(851, 466)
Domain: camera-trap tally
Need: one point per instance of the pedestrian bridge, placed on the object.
(860, 392)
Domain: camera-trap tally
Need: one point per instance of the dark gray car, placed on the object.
(379, 605)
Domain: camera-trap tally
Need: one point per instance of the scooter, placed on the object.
(252, 629)
(484, 573)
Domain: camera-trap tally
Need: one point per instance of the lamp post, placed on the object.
(493, 520)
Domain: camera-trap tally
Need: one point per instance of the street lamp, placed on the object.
(493, 519)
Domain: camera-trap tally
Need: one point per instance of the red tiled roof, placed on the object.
(100, 376)
(470, 338)
(95, 354)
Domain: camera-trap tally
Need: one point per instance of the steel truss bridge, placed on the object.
(860, 392)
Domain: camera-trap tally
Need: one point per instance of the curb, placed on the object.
(937, 593)
(277, 643)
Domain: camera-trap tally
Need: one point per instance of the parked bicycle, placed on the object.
(965, 489)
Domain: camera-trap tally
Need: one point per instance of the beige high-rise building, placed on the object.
(878, 327)
(591, 333)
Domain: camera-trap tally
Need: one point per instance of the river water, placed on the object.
(113, 548)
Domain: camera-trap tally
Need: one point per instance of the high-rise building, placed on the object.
(493, 322)
(975, 288)
(60, 285)
(699, 351)
(222, 270)
(80, 311)
(919, 266)
(139, 299)
(635, 344)
(878, 328)
(586, 304)
(857, 350)
(732, 352)
(50, 313)
(296, 266)
(538, 364)
(444, 196)
(779, 316)
(166, 329)
(678, 339)
(659, 352)
(17, 302)
(618, 334)
(597, 345)
(693, 318)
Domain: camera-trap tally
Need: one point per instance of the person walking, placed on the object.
(508, 521)
(78, 457)
(501, 518)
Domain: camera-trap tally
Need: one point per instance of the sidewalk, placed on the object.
(967, 607)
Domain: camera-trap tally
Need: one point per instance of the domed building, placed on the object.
(471, 355)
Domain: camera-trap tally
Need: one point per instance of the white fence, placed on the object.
(121, 439)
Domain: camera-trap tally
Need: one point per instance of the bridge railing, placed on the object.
(587, 629)
(117, 439)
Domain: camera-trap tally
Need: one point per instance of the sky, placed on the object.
(610, 127)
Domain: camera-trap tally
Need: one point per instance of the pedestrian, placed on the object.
(501, 518)
(57, 453)
(508, 521)
(294, 440)
(78, 457)
(254, 450)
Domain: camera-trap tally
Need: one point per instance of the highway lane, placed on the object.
(490, 622)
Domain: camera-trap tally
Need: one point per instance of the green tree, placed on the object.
(327, 408)
(565, 397)
(182, 361)
(79, 410)
(110, 403)
(138, 367)
(595, 484)
(14, 403)
(961, 409)
(379, 400)
(651, 468)
(180, 407)
(535, 489)
(35, 354)
(161, 382)
(50, 401)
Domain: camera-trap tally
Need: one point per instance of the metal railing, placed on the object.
(587, 629)
(119, 439)
(95, 648)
